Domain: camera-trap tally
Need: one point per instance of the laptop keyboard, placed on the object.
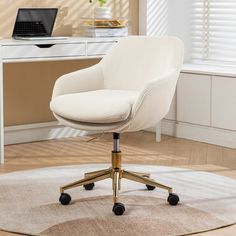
(30, 28)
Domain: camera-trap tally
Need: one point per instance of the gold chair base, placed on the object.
(116, 173)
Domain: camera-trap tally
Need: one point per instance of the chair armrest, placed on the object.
(79, 81)
(154, 101)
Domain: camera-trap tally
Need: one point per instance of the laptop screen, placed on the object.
(34, 22)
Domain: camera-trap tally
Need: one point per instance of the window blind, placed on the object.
(214, 31)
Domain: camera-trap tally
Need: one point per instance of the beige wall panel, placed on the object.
(28, 89)
(70, 12)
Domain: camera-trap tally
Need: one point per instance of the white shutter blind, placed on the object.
(214, 31)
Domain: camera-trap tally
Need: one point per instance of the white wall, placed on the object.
(153, 17)
(179, 22)
(162, 17)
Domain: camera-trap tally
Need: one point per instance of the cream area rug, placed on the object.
(29, 203)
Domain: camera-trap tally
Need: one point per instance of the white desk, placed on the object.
(47, 50)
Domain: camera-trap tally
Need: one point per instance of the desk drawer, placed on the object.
(43, 50)
(95, 49)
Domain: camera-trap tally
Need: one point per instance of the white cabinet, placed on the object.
(99, 48)
(43, 50)
(224, 102)
(172, 112)
(203, 109)
(194, 99)
(71, 48)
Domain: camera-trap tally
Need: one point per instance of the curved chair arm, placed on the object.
(83, 80)
(154, 101)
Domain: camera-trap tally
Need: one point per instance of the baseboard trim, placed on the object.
(200, 133)
(52, 130)
(38, 132)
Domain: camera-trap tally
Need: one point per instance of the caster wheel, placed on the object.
(173, 199)
(149, 187)
(89, 186)
(65, 199)
(118, 209)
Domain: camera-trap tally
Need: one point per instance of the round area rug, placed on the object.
(29, 203)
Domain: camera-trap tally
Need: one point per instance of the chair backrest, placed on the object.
(135, 60)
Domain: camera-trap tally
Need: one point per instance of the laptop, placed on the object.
(35, 24)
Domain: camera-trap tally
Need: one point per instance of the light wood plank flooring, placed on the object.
(137, 147)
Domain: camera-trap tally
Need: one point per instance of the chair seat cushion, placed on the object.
(99, 106)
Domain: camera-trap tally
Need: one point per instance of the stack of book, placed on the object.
(105, 28)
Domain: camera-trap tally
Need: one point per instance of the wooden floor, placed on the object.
(137, 147)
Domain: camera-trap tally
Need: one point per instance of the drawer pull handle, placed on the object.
(44, 45)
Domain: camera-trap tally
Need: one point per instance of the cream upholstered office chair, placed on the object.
(130, 89)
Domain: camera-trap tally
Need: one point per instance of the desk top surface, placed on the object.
(10, 41)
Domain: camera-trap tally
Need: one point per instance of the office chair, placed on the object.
(130, 89)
